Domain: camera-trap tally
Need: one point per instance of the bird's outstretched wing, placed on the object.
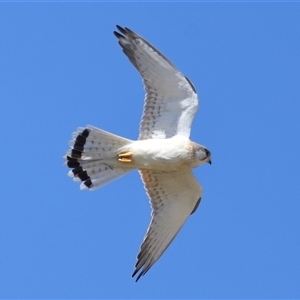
(171, 100)
(173, 197)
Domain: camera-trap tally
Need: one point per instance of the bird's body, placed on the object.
(163, 154)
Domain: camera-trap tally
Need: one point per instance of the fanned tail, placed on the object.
(93, 157)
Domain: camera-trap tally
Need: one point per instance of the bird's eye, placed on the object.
(207, 152)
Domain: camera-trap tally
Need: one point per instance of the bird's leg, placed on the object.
(125, 157)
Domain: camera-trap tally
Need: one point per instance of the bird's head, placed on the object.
(202, 154)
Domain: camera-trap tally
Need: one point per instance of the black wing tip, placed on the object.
(140, 268)
(121, 29)
(139, 276)
(118, 35)
(125, 32)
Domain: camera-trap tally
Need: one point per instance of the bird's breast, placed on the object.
(162, 154)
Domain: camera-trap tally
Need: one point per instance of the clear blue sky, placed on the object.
(61, 67)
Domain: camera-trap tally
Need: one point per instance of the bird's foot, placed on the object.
(125, 157)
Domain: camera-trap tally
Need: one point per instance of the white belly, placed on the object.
(161, 154)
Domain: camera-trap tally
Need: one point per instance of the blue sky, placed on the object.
(61, 67)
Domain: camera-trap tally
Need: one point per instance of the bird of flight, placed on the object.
(163, 153)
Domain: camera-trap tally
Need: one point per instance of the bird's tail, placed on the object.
(93, 157)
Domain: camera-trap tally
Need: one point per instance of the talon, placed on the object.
(126, 154)
(125, 157)
(124, 160)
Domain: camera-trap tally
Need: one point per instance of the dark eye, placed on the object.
(207, 152)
